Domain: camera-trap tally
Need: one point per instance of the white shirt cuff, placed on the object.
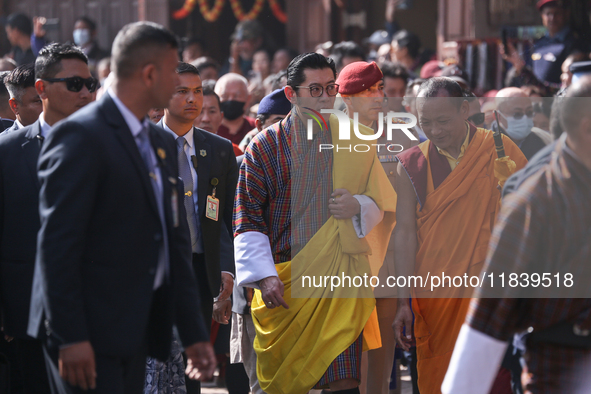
(254, 259)
(369, 216)
(474, 363)
(229, 273)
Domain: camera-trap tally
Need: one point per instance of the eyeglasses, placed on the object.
(476, 118)
(518, 114)
(75, 84)
(317, 90)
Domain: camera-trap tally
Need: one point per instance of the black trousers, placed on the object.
(194, 386)
(25, 372)
(31, 365)
(205, 292)
(115, 375)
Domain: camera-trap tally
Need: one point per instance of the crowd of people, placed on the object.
(160, 211)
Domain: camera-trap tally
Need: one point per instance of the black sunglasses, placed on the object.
(477, 118)
(75, 84)
(518, 114)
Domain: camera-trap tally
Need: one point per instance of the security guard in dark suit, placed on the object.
(550, 51)
(208, 168)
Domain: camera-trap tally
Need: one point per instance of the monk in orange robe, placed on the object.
(448, 199)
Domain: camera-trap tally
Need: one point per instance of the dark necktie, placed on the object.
(187, 177)
(145, 148)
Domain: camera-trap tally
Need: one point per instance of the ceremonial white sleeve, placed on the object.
(253, 257)
(370, 215)
(474, 363)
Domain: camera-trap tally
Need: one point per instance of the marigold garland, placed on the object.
(185, 11)
(211, 15)
(239, 12)
(277, 11)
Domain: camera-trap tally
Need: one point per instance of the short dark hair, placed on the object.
(408, 40)
(138, 44)
(19, 79)
(3, 90)
(262, 117)
(89, 22)
(208, 90)
(21, 22)
(395, 70)
(49, 60)
(204, 62)
(433, 86)
(346, 49)
(311, 60)
(469, 95)
(186, 68)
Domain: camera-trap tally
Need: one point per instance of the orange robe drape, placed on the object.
(453, 231)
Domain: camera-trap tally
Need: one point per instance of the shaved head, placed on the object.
(511, 92)
(509, 98)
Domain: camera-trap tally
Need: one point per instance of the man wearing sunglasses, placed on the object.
(516, 118)
(19, 201)
(290, 201)
(114, 253)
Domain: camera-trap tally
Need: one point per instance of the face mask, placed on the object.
(232, 109)
(81, 37)
(518, 129)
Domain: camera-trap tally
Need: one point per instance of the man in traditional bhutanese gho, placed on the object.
(309, 206)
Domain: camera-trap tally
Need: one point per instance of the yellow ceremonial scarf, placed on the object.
(295, 346)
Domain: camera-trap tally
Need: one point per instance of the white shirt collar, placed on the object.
(132, 122)
(19, 124)
(188, 136)
(44, 126)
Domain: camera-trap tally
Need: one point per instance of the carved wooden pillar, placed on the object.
(308, 23)
(154, 10)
